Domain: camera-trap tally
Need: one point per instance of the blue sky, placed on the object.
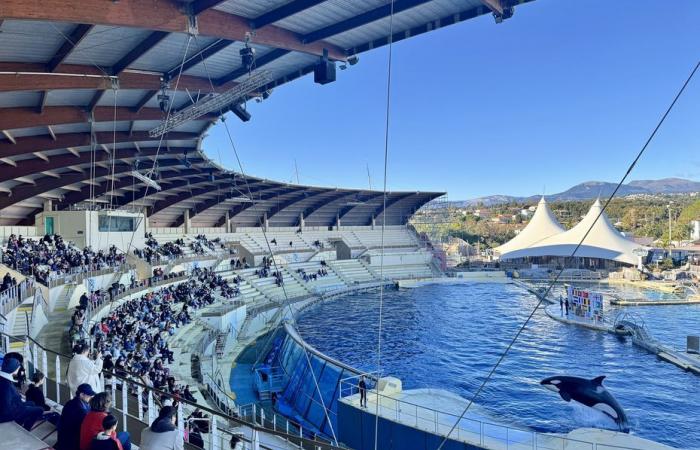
(563, 92)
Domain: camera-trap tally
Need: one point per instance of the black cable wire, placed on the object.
(551, 284)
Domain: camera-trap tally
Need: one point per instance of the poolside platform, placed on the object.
(644, 302)
(431, 415)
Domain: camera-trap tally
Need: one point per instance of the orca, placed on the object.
(589, 393)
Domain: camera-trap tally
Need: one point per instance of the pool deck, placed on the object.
(643, 302)
(437, 411)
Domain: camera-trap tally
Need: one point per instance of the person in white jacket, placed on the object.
(82, 369)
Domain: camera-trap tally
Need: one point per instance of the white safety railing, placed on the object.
(466, 429)
(136, 405)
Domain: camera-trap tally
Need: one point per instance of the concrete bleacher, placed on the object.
(393, 237)
(267, 285)
(352, 271)
(322, 283)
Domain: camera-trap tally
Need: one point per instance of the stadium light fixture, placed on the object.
(213, 103)
(146, 180)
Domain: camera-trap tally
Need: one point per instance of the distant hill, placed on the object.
(593, 189)
(668, 185)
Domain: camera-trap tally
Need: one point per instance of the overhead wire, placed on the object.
(573, 253)
(286, 302)
(381, 259)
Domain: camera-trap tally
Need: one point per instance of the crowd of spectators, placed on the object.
(51, 256)
(154, 251)
(322, 272)
(131, 339)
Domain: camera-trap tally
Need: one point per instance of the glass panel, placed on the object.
(48, 225)
(116, 223)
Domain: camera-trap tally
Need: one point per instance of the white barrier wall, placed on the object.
(398, 259)
(83, 228)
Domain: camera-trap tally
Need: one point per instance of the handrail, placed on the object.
(128, 384)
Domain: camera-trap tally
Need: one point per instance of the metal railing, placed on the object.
(466, 429)
(13, 296)
(78, 274)
(135, 404)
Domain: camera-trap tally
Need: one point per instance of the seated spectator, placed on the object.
(92, 424)
(11, 405)
(163, 434)
(35, 395)
(107, 438)
(74, 411)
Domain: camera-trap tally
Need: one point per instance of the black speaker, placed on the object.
(242, 114)
(324, 72)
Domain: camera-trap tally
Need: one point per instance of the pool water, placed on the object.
(449, 336)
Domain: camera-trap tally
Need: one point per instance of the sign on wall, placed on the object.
(585, 303)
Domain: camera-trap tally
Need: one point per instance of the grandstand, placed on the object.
(150, 224)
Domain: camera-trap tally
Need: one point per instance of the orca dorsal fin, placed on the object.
(598, 380)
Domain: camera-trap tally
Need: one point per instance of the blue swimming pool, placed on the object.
(450, 336)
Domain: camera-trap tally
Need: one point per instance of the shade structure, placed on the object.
(603, 241)
(542, 225)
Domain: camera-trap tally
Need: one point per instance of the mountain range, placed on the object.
(593, 189)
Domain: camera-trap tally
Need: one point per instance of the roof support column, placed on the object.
(337, 222)
(228, 222)
(301, 221)
(265, 222)
(374, 221)
(48, 205)
(186, 221)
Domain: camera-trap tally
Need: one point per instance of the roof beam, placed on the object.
(390, 201)
(144, 46)
(292, 201)
(347, 208)
(46, 184)
(145, 99)
(103, 188)
(282, 12)
(72, 41)
(51, 133)
(199, 6)
(212, 202)
(325, 201)
(259, 62)
(95, 100)
(162, 15)
(43, 143)
(361, 19)
(42, 102)
(39, 164)
(238, 209)
(198, 57)
(9, 137)
(442, 22)
(495, 6)
(19, 76)
(14, 118)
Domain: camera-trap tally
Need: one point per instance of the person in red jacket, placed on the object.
(107, 438)
(92, 424)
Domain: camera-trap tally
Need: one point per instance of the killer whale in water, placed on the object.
(589, 393)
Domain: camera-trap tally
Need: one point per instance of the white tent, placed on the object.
(603, 241)
(542, 225)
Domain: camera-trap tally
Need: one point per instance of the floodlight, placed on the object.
(143, 178)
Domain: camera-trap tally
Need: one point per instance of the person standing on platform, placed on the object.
(363, 392)
(566, 304)
(561, 305)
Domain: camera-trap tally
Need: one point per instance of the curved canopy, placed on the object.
(542, 225)
(602, 241)
(80, 82)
